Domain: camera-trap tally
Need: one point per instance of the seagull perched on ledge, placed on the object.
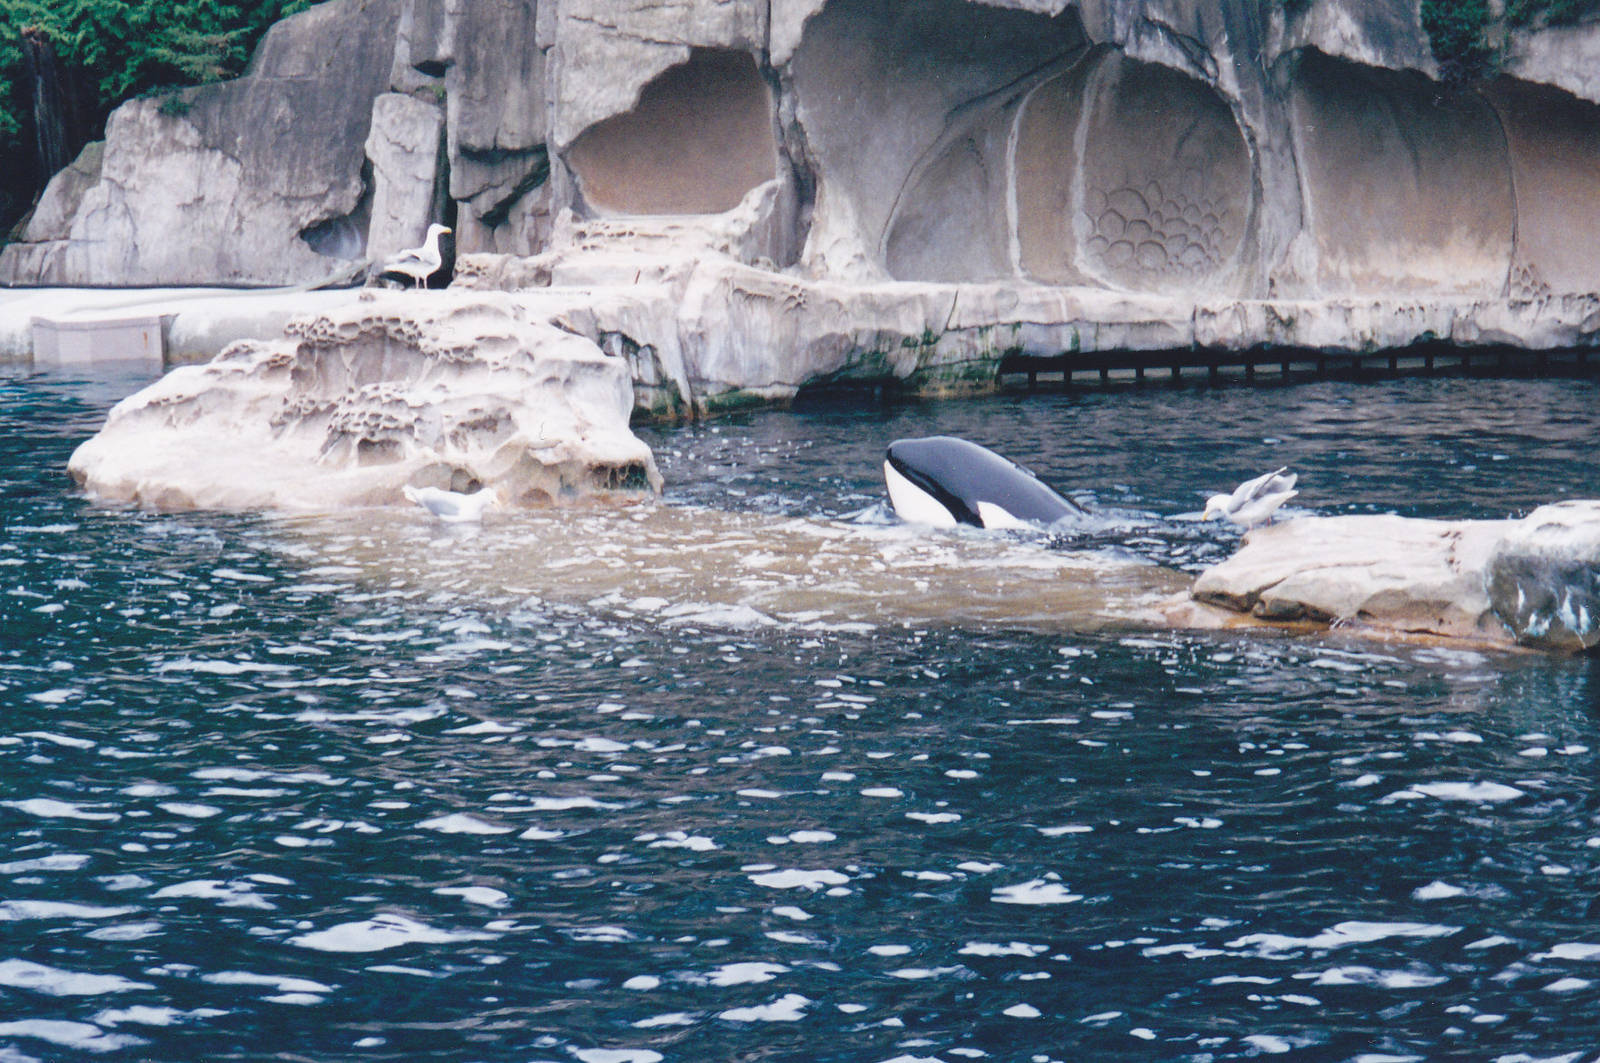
(1255, 500)
(418, 263)
(453, 507)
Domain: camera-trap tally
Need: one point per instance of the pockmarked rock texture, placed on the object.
(371, 397)
(1194, 149)
(1544, 577)
(1534, 581)
(1379, 571)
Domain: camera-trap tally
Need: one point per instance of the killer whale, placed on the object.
(944, 481)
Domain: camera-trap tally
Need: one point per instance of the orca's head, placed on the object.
(925, 478)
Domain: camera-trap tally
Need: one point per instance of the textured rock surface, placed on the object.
(403, 148)
(1544, 577)
(1386, 572)
(1535, 581)
(883, 190)
(380, 393)
(253, 180)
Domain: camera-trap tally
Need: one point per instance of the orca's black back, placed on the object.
(960, 474)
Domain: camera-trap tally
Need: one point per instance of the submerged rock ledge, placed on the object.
(1533, 582)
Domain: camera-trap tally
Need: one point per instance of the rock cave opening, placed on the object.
(701, 136)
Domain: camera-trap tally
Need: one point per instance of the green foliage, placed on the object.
(1459, 30)
(113, 50)
(1458, 34)
(173, 105)
(1548, 12)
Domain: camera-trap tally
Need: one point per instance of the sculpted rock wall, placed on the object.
(252, 180)
(1195, 149)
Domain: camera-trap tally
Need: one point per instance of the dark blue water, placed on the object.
(262, 803)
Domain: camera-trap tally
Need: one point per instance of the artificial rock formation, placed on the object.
(1534, 581)
(1171, 147)
(750, 197)
(460, 394)
(1544, 577)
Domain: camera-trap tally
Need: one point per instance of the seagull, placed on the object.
(418, 263)
(1254, 500)
(453, 507)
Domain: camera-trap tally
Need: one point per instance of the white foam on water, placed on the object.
(481, 895)
(1355, 975)
(56, 696)
(146, 1015)
(753, 973)
(799, 878)
(1035, 891)
(149, 789)
(1571, 951)
(890, 950)
(1069, 828)
(882, 791)
(50, 808)
(83, 1036)
(566, 804)
(812, 837)
(279, 983)
(255, 775)
(126, 932)
(58, 740)
(238, 893)
(677, 839)
(1477, 792)
(1022, 1011)
(541, 834)
(606, 934)
(211, 667)
(932, 818)
(53, 862)
(600, 745)
(190, 810)
(788, 1008)
(1268, 1043)
(1437, 891)
(642, 983)
(737, 617)
(670, 1019)
(923, 974)
(789, 911)
(990, 948)
(1339, 936)
(485, 727)
(237, 576)
(790, 937)
(616, 1055)
(55, 982)
(14, 911)
(1568, 985)
(393, 717)
(387, 931)
(462, 823)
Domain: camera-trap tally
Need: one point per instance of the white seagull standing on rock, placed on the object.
(1255, 500)
(418, 263)
(453, 507)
